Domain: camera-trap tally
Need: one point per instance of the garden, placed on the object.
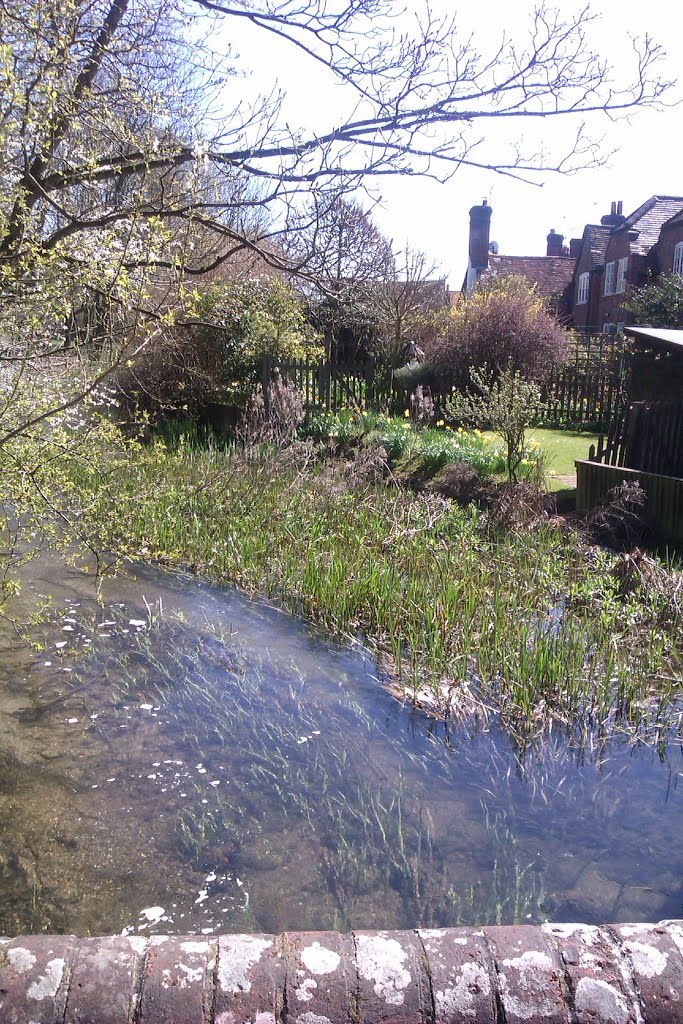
(286, 646)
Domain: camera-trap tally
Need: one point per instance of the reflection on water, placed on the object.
(177, 758)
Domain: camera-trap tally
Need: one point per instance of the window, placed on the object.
(621, 274)
(678, 260)
(610, 273)
(582, 295)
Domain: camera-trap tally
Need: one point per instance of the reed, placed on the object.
(538, 632)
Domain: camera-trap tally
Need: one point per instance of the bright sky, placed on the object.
(434, 217)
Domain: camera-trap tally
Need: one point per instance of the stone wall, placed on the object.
(557, 973)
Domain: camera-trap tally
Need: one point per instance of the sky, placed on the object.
(434, 217)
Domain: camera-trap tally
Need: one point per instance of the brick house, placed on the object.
(621, 252)
(666, 256)
(551, 274)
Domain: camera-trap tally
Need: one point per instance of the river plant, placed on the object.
(518, 621)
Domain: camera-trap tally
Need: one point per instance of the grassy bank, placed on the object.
(526, 622)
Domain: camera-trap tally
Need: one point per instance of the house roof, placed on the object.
(658, 337)
(677, 219)
(648, 219)
(550, 274)
(597, 237)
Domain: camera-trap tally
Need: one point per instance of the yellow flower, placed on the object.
(439, 423)
(407, 412)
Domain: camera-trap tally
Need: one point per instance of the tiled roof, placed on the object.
(597, 236)
(647, 220)
(550, 274)
(678, 219)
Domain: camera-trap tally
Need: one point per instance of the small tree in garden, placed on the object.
(504, 325)
(658, 304)
(506, 402)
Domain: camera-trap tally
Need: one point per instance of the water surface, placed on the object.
(178, 758)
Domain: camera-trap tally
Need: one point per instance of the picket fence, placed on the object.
(591, 388)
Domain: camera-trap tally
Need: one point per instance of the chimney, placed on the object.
(480, 230)
(554, 246)
(575, 248)
(615, 217)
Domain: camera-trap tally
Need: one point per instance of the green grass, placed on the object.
(519, 622)
(562, 448)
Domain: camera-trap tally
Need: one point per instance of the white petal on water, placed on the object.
(71, 721)
(152, 915)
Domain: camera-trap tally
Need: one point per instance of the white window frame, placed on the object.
(582, 292)
(610, 275)
(622, 268)
(678, 260)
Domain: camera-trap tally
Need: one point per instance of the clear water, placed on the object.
(178, 758)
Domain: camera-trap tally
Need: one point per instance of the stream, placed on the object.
(178, 758)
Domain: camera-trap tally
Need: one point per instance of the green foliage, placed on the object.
(240, 322)
(546, 633)
(506, 403)
(658, 304)
(423, 451)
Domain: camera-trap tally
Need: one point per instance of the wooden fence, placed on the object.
(590, 388)
(663, 510)
(646, 436)
(645, 444)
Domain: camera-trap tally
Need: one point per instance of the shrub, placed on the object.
(658, 304)
(216, 358)
(238, 323)
(274, 417)
(506, 403)
(504, 324)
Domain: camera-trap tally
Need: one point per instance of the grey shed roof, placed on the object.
(659, 337)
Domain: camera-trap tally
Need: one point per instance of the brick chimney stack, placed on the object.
(480, 231)
(615, 217)
(554, 244)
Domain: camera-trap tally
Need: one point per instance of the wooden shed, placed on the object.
(645, 442)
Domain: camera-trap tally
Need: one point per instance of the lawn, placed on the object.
(562, 448)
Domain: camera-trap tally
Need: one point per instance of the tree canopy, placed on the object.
(130, 163)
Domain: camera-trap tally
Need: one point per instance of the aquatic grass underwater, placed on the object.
(528, 622)
(302, 765)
